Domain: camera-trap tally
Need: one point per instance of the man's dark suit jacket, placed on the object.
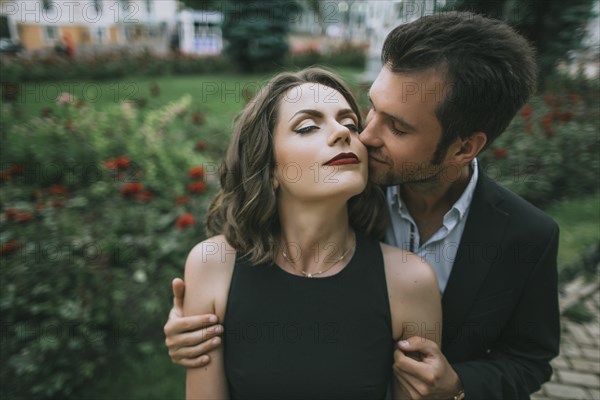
(500, 308)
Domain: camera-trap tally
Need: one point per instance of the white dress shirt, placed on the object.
(440, 250)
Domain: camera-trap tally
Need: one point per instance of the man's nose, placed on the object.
(369, 135)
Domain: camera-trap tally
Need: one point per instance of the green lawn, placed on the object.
(579, 222)
(217, 93)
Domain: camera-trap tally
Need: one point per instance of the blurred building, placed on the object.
(586, 61)
(323, 26)
(384, 15)
(199, 32)
(89, 25)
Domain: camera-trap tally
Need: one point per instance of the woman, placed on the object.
(311, 303)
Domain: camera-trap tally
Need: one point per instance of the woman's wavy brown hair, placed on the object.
(245, 208)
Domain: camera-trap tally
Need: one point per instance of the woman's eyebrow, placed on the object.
(314, 113)
(345, 111)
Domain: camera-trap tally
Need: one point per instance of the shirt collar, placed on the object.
(461, 205)
(464, 201)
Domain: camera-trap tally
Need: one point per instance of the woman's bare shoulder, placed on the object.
(407, 271)
(208, 271)
(211, 259)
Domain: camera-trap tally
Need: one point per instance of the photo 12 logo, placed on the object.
(51, 12)
(71, 92)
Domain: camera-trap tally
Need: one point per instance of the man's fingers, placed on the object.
(193, 339)
(420, 345)
(178, 293)
(179, 325)
(194, 356)
(407, 363)
(406, 383)
(194, 362)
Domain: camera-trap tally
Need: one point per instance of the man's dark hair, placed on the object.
(489, 68)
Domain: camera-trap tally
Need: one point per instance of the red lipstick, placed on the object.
(343, 159)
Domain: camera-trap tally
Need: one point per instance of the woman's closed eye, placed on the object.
(353, 128)
(306, 129)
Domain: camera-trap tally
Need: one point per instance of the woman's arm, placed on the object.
(415, 307)
(207, 276)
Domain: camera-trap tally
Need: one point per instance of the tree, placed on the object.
(554, 27)
(209, 5)
(256, 32)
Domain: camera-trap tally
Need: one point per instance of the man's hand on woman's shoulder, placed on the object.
(189, 339)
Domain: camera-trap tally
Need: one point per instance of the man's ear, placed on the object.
(469, 148)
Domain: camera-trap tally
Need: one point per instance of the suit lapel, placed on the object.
(483, 233)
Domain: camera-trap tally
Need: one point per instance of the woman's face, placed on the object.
(317, 151)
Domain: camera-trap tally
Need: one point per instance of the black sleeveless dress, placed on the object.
(291, 337)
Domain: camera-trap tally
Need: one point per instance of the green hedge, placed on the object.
(550, 150)
(116, 65)
(99, 209)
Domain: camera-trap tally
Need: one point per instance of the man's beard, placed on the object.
(409, 173)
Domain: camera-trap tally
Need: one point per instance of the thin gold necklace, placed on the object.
(312, 275)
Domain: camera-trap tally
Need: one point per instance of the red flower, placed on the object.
(200, 145)
(11, 213)
(547, 118)
(526, 111)
(197, 187)
(122, 162)
(185, 220)
(546, 123)
(181, 200)
(566, 116)
(197, 118)
(117, 163)
(8, 247)
(145, 195)
(131, 189)
(23, 217)
(110, 164)
(58, 203)
(57, 190)
(4, 176)
(196, 172)
(40, 207)
(500, 153)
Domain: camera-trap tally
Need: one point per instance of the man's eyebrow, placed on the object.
(314, 113)
(402, 122)
(399, 120)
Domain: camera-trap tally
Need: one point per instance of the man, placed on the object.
(451, 83)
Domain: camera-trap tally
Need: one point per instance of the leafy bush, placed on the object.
(99, 209)
(345, 56)
(550, 150)
(113, 66)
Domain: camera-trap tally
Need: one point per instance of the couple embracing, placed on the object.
(409, 274)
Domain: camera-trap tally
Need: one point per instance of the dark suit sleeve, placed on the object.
(520, 361)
